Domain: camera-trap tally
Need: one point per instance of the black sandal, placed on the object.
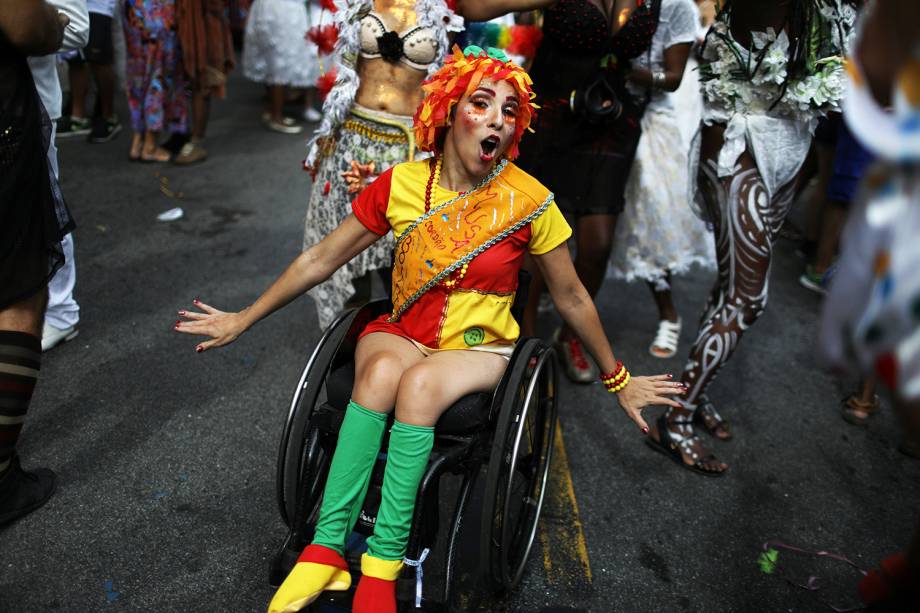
(672, 449)
(857, 412)
(709, 419)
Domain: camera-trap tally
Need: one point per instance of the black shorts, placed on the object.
(99, 49)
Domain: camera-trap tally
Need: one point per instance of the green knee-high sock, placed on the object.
(349, 475)
(407, 459)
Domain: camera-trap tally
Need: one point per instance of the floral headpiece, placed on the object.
(460, 76)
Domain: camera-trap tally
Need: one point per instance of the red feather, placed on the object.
(325, 82)
(324, 37)
(329, 5)
(525, 40)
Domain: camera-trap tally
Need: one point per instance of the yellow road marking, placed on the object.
(565, 551)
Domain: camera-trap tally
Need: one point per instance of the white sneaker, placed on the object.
(287, 121)
(312, 115)
(284, 127)
(665, 344)
(52, 336)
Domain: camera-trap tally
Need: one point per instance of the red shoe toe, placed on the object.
(375, 596)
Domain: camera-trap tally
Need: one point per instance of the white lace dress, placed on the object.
(658, 232)
(275, 48)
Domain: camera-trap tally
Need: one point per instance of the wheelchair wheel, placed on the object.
(296, 453)
(519, 464)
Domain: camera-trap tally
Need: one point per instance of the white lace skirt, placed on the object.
(275, 48)
(658, 231)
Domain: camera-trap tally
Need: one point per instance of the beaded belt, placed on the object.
(367, 131)
(364, 126)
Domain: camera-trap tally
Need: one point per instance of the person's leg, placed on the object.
(79, 88)
(311, 112)
(99, 54)
(136, 82)
(835, 216)
(155, 101)
(825, 222)
(593, 242)
(665, 343)
(137, 145)
(380, 360)
(151, 151)
(850, 162)
(746, 223)
(63, 312)
(104, 75)
(860, 406)
(276, 103)
(426, 390)
(817, 199)
(20, 361)
(201, 112)
(661, 293)
(274, 118)
(194, 151)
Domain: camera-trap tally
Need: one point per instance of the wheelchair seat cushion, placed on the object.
(469, 414)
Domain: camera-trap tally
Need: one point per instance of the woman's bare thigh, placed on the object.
(432, 385)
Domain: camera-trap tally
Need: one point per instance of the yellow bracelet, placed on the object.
(617, 388)
(617, 380)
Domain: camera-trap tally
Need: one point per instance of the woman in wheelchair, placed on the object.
(463, 221)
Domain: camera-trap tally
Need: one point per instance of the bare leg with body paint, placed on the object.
(746, 224)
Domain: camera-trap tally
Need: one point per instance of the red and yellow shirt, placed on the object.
(476, 312)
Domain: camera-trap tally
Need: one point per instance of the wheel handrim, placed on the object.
(518, 531)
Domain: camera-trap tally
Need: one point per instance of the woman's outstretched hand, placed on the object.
(642, 392)
(223, 328)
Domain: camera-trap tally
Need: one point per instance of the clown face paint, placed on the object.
(483, 126)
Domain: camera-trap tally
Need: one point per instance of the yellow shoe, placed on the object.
(318, 569)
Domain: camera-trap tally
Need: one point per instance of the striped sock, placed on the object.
(20, 361)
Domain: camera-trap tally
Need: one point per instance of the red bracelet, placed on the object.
(616, 373)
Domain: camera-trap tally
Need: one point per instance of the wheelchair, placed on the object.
(506, 434)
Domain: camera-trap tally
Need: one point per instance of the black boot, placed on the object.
(22, 492)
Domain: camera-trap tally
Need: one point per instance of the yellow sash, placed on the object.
(454, 232)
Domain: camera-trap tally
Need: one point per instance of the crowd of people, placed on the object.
(669, 134)
(176, 57)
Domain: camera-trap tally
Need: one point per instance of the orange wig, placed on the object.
(460, 76)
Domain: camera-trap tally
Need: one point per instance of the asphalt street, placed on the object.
(166, 458)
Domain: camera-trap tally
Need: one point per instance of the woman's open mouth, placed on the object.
(487, 148)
